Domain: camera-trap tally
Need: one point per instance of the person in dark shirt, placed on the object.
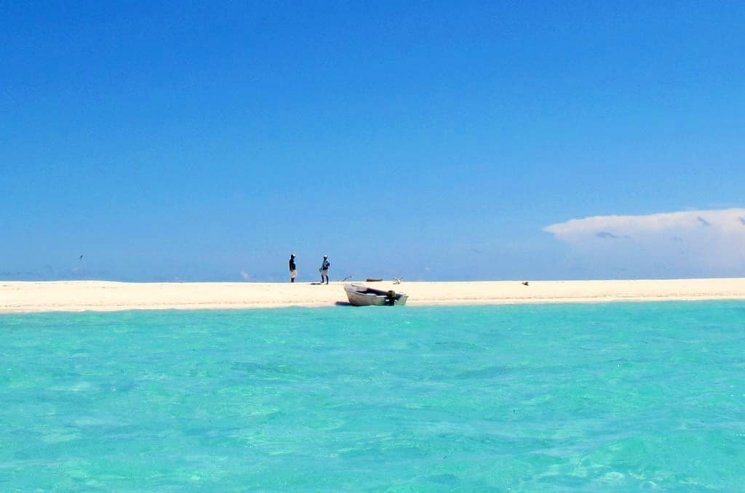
(293, 268)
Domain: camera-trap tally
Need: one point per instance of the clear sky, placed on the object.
(433, 140)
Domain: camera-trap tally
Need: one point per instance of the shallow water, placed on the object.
(605, 397)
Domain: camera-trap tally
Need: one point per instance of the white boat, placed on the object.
(364, 296)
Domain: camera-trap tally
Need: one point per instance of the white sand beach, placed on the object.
(21, 297)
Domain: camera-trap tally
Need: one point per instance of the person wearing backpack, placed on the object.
(324, 270)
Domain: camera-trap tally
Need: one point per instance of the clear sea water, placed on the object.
(602, 397)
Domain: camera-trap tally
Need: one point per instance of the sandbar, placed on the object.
(75, 296)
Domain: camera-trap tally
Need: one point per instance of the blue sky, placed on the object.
(423, 140)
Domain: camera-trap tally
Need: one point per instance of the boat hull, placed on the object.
(364, 296)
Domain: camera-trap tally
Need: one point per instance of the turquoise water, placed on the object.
(607, 397)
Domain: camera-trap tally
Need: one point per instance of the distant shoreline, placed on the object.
(76, 296)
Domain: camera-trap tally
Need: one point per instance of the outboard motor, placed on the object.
(390, 298)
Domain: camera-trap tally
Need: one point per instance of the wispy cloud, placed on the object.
(701, 242)
(607, 235)
(703, 222)
(610, 236)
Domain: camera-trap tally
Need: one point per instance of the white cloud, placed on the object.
(697, 242)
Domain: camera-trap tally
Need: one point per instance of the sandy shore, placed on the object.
(19, 297)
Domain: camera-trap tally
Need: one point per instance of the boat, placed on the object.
(364, 296)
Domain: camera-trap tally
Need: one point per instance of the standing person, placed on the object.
(324, 270)
(293, 268)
